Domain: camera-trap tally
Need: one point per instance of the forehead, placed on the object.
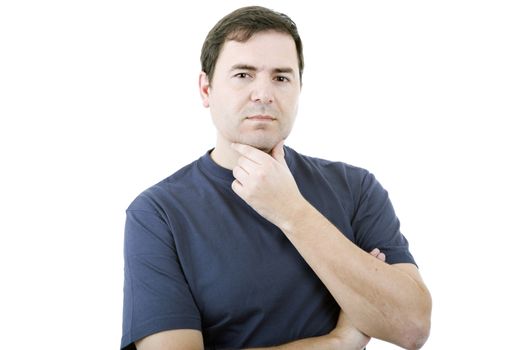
(264, 49)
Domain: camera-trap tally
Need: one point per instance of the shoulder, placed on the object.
(157, 197)
(340, 178)
(353, 175)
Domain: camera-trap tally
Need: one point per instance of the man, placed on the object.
(255, 245)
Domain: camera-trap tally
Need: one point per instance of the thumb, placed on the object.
(278, 152)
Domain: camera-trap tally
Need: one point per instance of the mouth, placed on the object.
(261, 118)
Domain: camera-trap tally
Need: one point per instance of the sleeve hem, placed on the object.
(156, 326)
(399, 258)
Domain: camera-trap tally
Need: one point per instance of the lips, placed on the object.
(261, 118)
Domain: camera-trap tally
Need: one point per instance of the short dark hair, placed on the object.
(241, 25)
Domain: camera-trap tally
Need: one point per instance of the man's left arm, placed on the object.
(388, 302)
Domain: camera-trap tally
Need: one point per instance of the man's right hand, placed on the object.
(347, 335)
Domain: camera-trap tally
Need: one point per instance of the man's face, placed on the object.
(255, 89)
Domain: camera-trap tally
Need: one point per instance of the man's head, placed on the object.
(241, 25)
(254, 56)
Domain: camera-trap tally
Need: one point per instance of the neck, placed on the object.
(224, 155)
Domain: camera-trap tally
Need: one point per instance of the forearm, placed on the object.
(381, 300)
(325, 342)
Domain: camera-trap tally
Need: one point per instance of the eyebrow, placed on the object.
(252, 68)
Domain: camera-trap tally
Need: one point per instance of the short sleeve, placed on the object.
(376, 225)
(156, 294)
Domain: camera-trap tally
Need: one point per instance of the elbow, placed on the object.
(416, 338)
(416, 335)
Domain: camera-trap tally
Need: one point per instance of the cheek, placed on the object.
(291, 106)
(225, 118)
(227, 104)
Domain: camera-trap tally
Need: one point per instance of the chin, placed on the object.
(265, 146)
(262, 141)
(265, 149)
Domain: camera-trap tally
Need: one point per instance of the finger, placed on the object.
(240, 174)
(247, 164)
(375, 252)
(236, 187)
(250, 152)
(382, 257)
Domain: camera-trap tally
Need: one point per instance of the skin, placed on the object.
(343, 336)
(389, 302)
(253, 98)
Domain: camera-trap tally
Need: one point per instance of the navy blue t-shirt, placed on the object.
(198, 257)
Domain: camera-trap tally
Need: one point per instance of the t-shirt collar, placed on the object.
(209, 166)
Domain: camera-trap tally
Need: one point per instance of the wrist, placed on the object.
(297, 212)
(350, 338)
(334, 341)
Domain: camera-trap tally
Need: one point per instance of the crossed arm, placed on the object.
(389, 302)
(343, 336)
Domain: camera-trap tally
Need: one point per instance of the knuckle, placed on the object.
(261, 174)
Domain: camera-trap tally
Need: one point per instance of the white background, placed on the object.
(99, 100)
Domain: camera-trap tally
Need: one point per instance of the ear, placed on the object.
(204, 89)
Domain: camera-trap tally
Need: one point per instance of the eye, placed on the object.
(282, 79)
(241, 75)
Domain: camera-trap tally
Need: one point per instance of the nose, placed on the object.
(262, 91)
